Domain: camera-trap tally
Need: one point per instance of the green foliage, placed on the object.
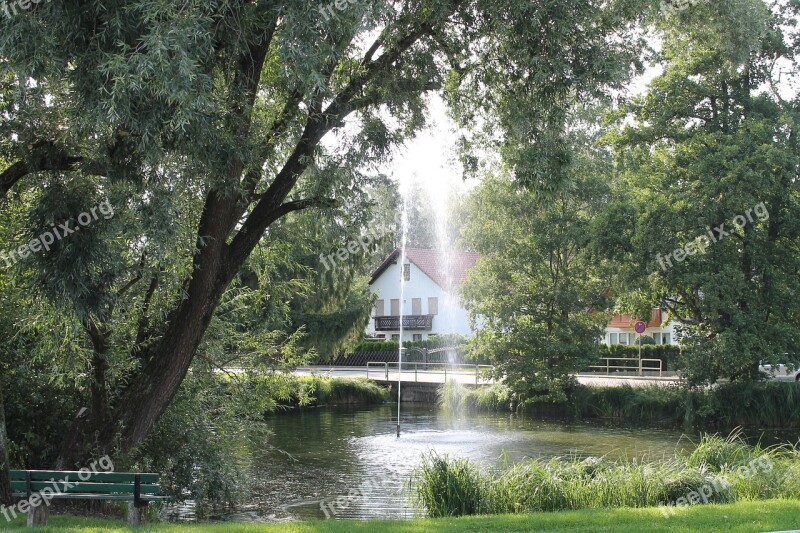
(756, 405)
(713, 139)
(317, 391)
(456, 398)
(531, 293)
(449, 487)
(440, 341)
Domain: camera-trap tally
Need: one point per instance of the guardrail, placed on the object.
(639, 367)
(408, 366)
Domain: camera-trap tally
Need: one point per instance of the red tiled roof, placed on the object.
(437, 265)
(626, 321)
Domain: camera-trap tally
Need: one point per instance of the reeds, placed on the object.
(719, 470)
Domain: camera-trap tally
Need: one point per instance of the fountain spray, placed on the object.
(403, 238)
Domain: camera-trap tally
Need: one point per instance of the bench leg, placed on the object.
(137, 516)
(37, 516)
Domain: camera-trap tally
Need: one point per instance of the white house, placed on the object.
(430, 303)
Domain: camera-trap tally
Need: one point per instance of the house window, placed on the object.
(395, 336)
(380, 308)
(433, 306)
(667, 338)
(395, 307)
(657, 338)
(416, 306)
(407, 272)
(417, 337)
(623, 338)
(613, 338)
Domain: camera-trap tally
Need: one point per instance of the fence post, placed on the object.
(608, 371)
(386, 368)
(476, 375)
(416, 367)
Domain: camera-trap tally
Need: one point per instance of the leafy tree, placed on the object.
(202, 124)
(536, 295)
(713, 143)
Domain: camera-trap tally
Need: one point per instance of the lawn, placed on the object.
(751, 516)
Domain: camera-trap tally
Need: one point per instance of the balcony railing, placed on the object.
(410, 323)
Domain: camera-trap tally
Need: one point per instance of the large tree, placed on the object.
(206, 118)
(536, 297)
(709, 158)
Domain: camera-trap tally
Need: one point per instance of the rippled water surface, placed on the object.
(348, 463)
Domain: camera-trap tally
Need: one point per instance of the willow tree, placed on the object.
(211, 115)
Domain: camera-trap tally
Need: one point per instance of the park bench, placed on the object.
(43, 486)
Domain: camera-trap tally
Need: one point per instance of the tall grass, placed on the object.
(340, 391)
(455, 398)
(723, 469)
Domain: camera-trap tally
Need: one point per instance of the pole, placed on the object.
(640, 354)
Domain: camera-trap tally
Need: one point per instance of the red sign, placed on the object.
(639, 327)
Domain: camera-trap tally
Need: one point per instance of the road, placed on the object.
(468, 377)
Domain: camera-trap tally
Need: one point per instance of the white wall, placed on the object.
(452, 318)
(668, 328)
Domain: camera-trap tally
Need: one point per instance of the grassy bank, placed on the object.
(336, 391)
(760, 405)
(745, 517)
(717, 471)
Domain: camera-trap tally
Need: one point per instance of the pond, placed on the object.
(348, 463)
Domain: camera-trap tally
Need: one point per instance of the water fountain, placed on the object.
(403, 239)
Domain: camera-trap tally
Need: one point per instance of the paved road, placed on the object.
(467, 377)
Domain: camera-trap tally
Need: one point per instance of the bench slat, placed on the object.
(111, 477)
(101, 488)
(110, 497)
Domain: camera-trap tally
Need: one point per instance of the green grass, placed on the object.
(343, 391)
(743, 517)
(718, 471)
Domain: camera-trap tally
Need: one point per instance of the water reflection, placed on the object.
(348, 463)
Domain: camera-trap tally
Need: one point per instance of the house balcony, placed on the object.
(410, 323)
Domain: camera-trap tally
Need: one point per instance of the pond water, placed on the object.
(348, 463)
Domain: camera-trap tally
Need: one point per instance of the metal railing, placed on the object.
(410, 322)
(409, 367)
(639, 366)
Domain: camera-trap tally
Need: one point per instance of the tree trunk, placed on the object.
(5, 484)
(164, 366)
